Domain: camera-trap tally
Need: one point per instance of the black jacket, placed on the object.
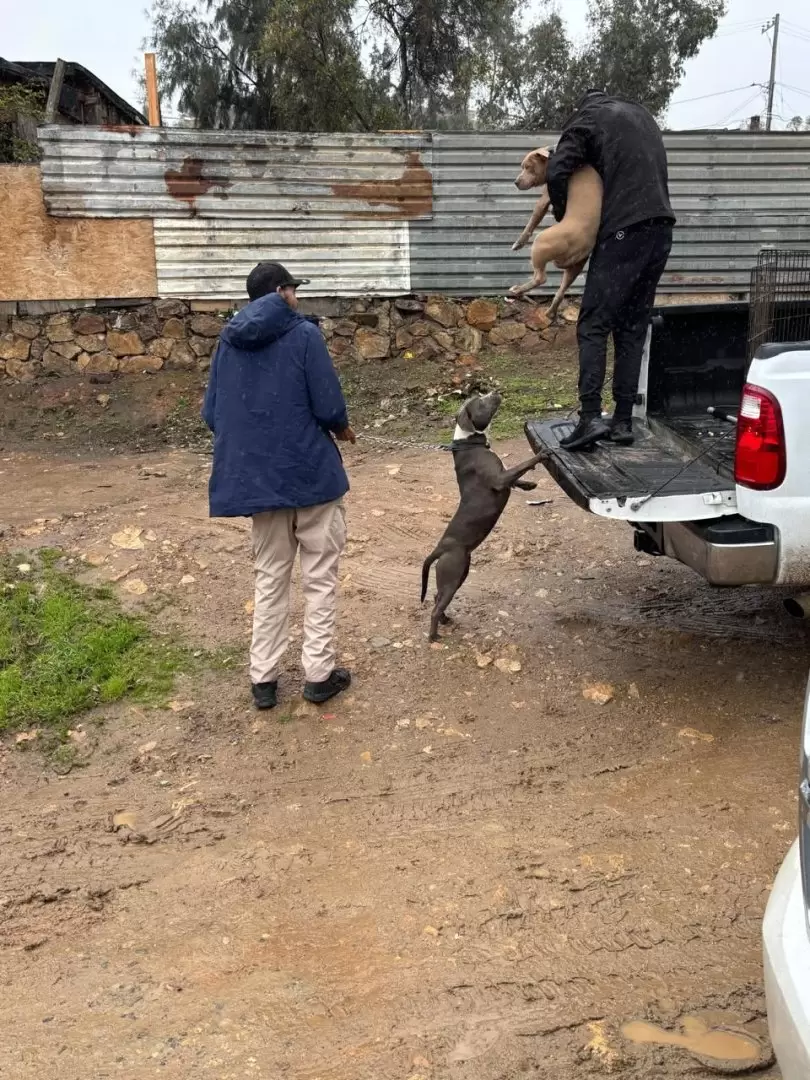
(624, 144)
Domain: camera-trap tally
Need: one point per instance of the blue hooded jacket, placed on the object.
(273, 400)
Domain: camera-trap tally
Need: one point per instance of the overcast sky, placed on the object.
(106, 37)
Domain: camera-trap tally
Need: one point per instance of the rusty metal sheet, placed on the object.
(334, 208)
(171, 172)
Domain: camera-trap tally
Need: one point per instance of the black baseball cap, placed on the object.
(266, 277)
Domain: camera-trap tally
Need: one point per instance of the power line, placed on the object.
(803, 38)
(718, 93)
(742, 22)
(725, 120)
(739, 27)
(732, 33)
(796, 89)
(792, 108)
(796, 26)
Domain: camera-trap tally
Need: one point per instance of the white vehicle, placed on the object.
(786, 936)
(719, 475)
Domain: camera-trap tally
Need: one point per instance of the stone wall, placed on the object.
(427, 327)
(96, 341)
(170, 334)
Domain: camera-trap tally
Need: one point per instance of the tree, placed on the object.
(429, 51)
(21, 109)
(319, 80)
(266, 64)
(306, 64)
(527, 82)
(638, 48)
(210, 57)
(635, 49)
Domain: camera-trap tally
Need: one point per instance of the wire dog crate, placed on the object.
(779, 307)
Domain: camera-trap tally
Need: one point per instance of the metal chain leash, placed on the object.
(407, 443)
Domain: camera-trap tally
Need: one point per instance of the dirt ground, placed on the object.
(463, 869)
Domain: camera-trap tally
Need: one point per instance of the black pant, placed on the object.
(623, 274)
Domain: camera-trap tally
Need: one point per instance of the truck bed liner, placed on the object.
(651, 465)
(714, 439)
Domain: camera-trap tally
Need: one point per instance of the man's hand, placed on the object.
(347, 435)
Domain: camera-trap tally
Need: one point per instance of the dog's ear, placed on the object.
(463, 418)
(481, 410)
(542, 152)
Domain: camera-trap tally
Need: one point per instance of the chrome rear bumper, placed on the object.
(726, 563)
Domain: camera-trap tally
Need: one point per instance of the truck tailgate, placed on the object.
(653, 480)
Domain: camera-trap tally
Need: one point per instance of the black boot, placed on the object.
(621, 431)
(318, 692)
(590, 429)
(265, 694)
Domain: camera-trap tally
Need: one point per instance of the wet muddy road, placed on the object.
(466, 869)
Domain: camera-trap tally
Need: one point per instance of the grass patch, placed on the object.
(528, 390)
(66, 647)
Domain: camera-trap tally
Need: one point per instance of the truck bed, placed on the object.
(714, 439)
(697, 361)
(691, 458)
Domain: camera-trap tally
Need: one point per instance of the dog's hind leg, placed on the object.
(426, 565)
(559, 296)
(570, 274)
(451, 572)
(527, 286)
(444, 618)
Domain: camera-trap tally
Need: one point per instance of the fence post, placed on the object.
(55, 92)
(152, 99)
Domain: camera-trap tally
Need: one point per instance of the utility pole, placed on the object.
(774, 25)
(152, 98)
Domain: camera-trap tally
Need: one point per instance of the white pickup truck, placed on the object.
(786, 939)
(719, 475)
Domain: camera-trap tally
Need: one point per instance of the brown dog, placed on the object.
(569, 242)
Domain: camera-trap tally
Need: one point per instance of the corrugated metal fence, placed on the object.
(334, 207)
(732, 193)
(395, 213)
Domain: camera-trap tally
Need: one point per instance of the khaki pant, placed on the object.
(319, 534)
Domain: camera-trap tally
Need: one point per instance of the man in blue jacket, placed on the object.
(275, 406)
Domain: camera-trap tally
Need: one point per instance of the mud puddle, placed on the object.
(721, 1047)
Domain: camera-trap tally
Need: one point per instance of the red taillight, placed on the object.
(760, 461)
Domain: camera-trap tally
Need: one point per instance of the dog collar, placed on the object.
(478, 438)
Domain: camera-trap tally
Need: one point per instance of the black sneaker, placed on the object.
(621, 432)
(318, 692)
(588, 431)
(265, 694)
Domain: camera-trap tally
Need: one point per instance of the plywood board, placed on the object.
(45, 258)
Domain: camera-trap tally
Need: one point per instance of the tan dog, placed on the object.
(567, 243)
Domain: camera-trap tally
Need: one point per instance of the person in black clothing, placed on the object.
(623, 143)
